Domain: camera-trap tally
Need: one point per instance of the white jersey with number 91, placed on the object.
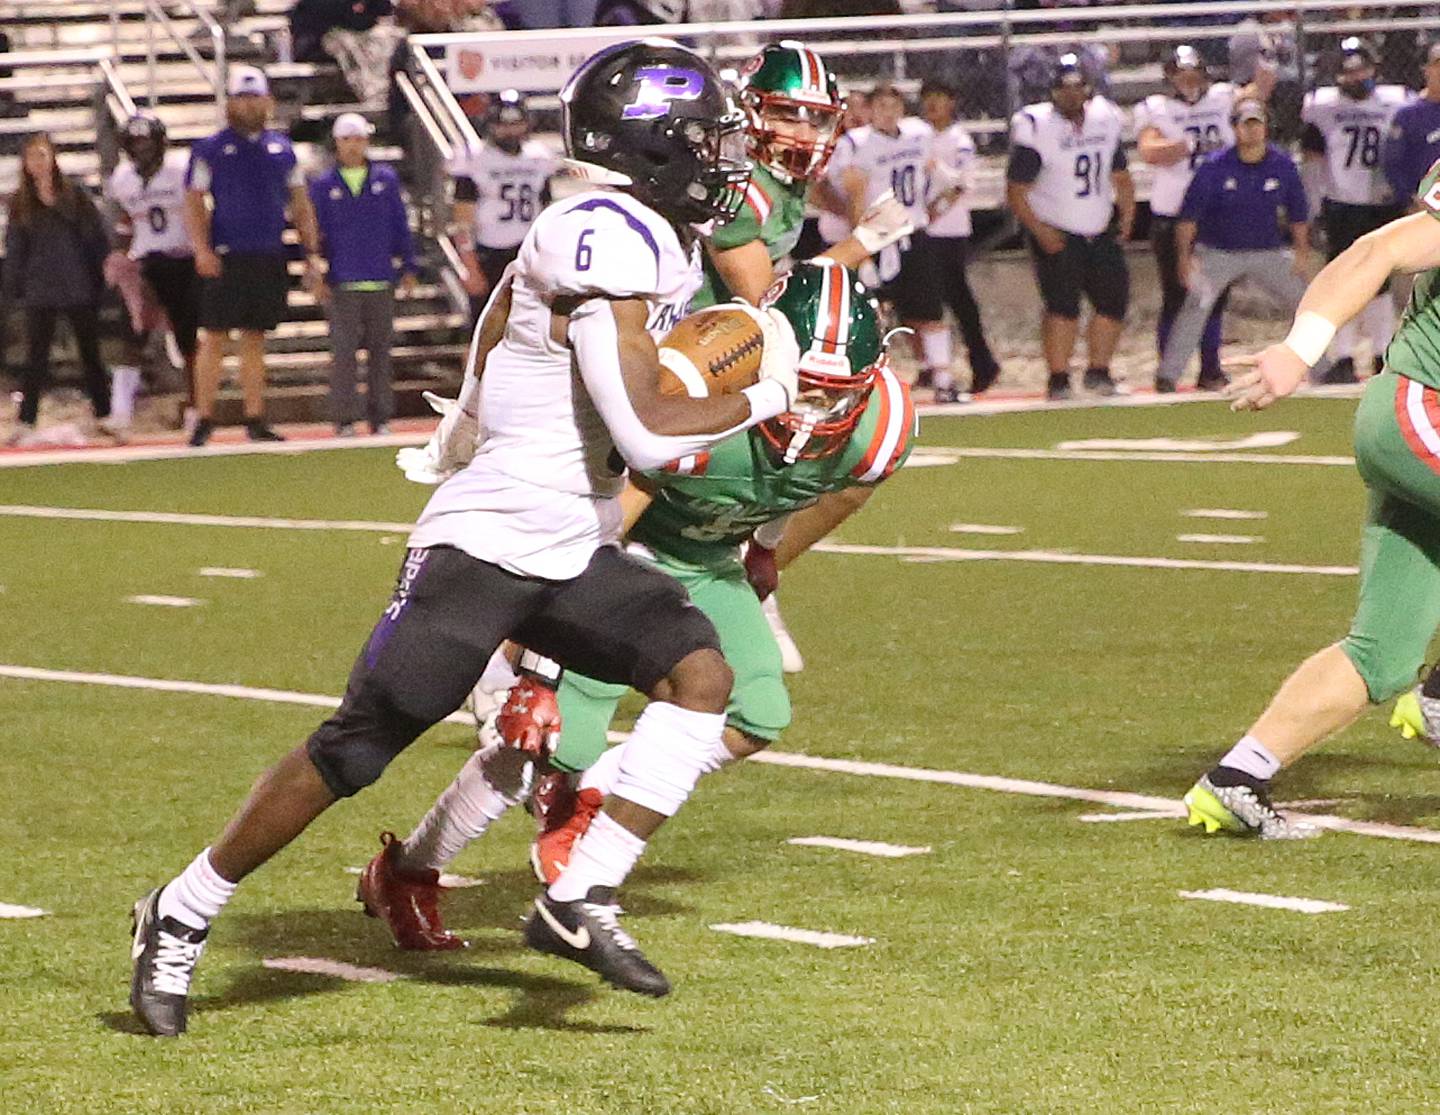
(1073, 190)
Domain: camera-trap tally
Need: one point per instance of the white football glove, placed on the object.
(781, 359)
(451, 445)
(885, 222)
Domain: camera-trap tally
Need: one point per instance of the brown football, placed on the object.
(715, 351)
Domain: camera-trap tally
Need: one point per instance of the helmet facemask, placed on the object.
(828, 406)
(717, 187)
(790, 137)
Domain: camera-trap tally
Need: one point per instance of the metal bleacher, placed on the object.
(79, 67)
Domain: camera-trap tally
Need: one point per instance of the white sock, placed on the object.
(197, 895)
(936, 346)
(490, 782)
(603, 772)
(124, 383)
(602, 858)
(1379, 319)
(1253, 758)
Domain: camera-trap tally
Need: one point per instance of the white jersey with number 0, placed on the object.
(1073, 191)
(155, 206)
(1354, 133)
(954, 152)
(899, 163)
(1204, 126)
(539, 495)
(509, 189)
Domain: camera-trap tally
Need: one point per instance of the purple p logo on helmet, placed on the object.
(659, 85)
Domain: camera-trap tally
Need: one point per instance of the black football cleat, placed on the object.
(201, 434)
(588, 932)
(256, 429)
(165, 953)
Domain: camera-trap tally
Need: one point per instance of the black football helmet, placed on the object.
(1357, 68)
(655, 118)
(139, 129)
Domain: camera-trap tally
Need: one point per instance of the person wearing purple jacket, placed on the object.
(1414, 142)
(1229, 230)
(364, 230)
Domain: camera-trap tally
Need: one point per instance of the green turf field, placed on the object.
(1029, 962)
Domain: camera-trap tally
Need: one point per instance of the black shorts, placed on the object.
(1345, 224)
(250, 293)
(177, 288)
(493, 262)
(916, 291)
(1090, 265)
(621, 621)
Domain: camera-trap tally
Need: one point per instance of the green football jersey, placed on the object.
(1415, 350)
(773, 213)
(706, 505)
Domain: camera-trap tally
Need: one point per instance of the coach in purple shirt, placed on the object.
(1231, 228)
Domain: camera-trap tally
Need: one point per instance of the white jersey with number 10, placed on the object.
(899, 163)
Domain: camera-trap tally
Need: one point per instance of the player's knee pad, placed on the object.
(667, 753)
(1386, 671)
(352, 749)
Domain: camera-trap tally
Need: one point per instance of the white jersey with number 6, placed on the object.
(154, 205)
(1204, 126)
(508, 190)
(1073, 190)
(899, 163)
(1354, 133)
(539, 495)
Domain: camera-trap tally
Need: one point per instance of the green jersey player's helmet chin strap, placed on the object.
(842, 352)
(793, 110)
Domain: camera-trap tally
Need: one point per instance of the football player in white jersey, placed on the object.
(147, 191)
(952, 170)
(560, 395)
(1066, 181)
(1346, 125)
(1176, 131)
(499, 191)
(894, 152)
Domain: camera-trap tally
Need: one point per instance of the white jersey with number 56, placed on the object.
(1073, 191)
(509, 190)
(539, 495)
(155, 206)
(1354, 133)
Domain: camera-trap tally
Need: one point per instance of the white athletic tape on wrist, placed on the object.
(768, 399)
(1310, 337)
(546, 669)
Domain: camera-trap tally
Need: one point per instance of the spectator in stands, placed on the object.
(1032, 66)
(55, 249)
(1232, 210)
(1069, 186)
(1263, 52)
(953, 163)
(9, 104)
(1414, 142)
(311, 20)
(251, 175)
(364, 230)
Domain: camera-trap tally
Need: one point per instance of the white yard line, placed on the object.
(1120, 798)
(1221, 539)
(169, 451)
(862, 847)
(336, 969)
(225, 571)
(161, 601)
(935, 452)
(1151, 815)
(1057, 557)
(769, 932)
(1264, 439)
(983, 528)
(1269, 901)
(1223, 513)
(933, 553)
(7, 911)
(446, 880)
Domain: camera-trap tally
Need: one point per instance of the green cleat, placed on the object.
(1243, 810)
(1418, 717)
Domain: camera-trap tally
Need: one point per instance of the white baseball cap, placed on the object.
(247, 81)
(349, 124)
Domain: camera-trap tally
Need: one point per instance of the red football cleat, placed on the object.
(563, 821)
(407, 901)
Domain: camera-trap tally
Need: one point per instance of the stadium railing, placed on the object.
(214, 72)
